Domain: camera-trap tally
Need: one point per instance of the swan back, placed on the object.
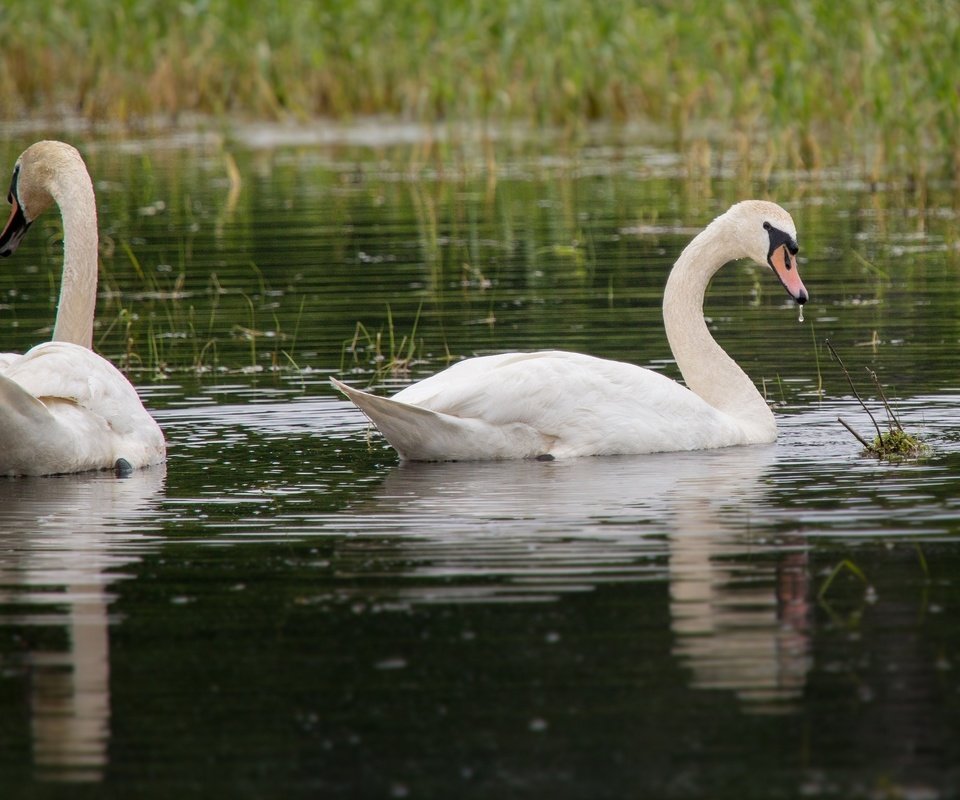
(63, 409)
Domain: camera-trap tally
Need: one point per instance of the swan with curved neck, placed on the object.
(63, 408)
(561, 405)
(54, 173)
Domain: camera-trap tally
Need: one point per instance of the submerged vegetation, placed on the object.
(816, 81)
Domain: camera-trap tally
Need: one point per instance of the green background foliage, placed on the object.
(817, 80)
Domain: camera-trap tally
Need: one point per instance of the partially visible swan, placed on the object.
(63, 408)
(562, 405)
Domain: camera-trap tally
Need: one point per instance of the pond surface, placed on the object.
(285, 610)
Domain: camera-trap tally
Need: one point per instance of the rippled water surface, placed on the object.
(286, 610)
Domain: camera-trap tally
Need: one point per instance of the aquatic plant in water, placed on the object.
(893, 444)
(387, 354)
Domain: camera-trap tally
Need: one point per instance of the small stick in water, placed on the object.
(891, 417)
(852, 387)
(860, 439)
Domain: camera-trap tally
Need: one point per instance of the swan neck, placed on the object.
(706, 368)
(78, 285)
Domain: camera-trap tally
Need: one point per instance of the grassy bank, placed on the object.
(819, 80)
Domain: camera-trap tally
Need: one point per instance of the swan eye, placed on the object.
(767, 226)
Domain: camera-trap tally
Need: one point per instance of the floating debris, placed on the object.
(894, 444)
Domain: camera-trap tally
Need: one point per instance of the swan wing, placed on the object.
(563, 404)
(44, 438)
(7, 360)
(91, 415)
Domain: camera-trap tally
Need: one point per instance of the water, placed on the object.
(286, 609)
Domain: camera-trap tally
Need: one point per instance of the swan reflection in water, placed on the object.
(63, 541)
(739, 606)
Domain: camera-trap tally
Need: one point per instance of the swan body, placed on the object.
(63, 408)
(563, 405)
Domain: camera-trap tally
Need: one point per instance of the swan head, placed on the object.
(768, 235)
(35, 186)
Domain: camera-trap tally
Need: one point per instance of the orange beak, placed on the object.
(784, 263)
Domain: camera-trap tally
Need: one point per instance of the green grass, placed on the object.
(157, 328)
(388, 353)
(815, 81)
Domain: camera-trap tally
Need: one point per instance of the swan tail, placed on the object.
(419, 434)
(20, 408)
(405, 426)
(23, 420)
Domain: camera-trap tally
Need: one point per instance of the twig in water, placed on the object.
(860, 439)
(892, 418)
(852, 387)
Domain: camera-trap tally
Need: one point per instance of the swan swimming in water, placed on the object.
(63, 408)
(562, 405)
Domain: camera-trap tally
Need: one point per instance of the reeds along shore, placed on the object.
(818, 80)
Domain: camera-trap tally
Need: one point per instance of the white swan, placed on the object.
(63, 408)
(562, 405)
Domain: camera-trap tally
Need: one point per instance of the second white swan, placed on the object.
(63, 408)
(561, 405)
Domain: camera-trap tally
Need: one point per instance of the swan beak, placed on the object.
(14, 230)
(784, 263)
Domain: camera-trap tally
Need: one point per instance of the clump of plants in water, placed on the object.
(893, 444)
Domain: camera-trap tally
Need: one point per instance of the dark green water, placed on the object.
(285, 611)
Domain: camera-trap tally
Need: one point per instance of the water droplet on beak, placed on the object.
(800, 314)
